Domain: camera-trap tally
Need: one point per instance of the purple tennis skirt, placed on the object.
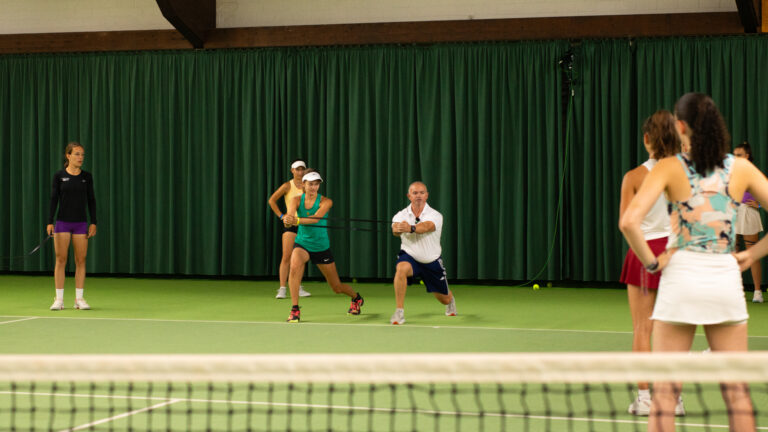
(71, 227)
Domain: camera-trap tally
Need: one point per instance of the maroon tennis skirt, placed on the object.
(633, 272)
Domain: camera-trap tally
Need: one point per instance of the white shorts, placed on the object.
(700, 288)
(747, 220)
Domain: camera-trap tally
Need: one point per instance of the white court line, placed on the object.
(345, 407)
(18, 320)
(119, 416)
(357, 325)
(303, 323)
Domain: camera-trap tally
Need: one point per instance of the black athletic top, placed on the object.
(71, 193)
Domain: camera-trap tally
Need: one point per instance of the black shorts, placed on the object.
(322, 257)
(293, 228)
(433, 274)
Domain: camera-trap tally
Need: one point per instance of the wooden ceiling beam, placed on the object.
(617, 26)
(750, 14)
(192, 18)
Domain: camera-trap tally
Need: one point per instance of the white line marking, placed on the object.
(337, 324)
(340, 407)
(18, 320)
(358, 325)
(119, 416)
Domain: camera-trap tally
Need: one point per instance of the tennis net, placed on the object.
(365, 392)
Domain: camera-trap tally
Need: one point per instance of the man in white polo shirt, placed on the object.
(419, 227)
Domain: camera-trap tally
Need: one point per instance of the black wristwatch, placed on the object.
(652, 267)
(413, 228)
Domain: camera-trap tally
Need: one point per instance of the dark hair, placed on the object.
(68, 150)
(747, 149)
(710, 139)
(660, 128)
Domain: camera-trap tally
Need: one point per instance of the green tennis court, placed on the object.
(194, 316)
(219, 316)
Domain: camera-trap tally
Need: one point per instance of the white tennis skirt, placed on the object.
(700, 288)
(748, 220)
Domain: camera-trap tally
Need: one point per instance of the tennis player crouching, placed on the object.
(308, 211)
(419, 227)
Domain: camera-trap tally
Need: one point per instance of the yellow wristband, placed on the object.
(298, 221)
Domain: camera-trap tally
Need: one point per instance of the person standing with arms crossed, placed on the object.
(419, 227)
(288, 191)
(71, 193)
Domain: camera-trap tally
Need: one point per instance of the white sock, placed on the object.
(644, 394)
(60, 294)
(282, 287)
(401, 310)
(79, 293)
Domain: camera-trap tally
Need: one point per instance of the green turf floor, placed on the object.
(140, 315)
(218, 316)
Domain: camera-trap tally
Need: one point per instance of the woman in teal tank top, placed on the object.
(701, 279)
(312, 243)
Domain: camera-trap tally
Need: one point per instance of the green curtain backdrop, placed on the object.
(620, 83)
(186, 147)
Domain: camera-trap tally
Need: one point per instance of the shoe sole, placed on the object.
(450, 314)
(305, 295)
(57, 309)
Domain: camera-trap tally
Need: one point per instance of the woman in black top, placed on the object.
(71, 192)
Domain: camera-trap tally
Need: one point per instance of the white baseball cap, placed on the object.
(297, 164)
(312, 177)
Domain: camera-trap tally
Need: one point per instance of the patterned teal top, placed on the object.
(311, 238)
(704, 223)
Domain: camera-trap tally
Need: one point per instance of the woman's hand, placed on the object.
(753, 204)
(91, 231)
(49, 229)
(663, 260)
(745, 259)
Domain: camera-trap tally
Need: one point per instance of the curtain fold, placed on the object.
(186, 147)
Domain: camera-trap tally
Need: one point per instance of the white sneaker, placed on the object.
(280, 293)
(303, 293)
(398, 317)
(640, 407)
(757, 297)
(81, 304)
(450, 308)
(679, 408)
(58, 304)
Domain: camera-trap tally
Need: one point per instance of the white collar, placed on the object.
(424, 212)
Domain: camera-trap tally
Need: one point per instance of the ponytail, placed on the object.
(709, 136)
